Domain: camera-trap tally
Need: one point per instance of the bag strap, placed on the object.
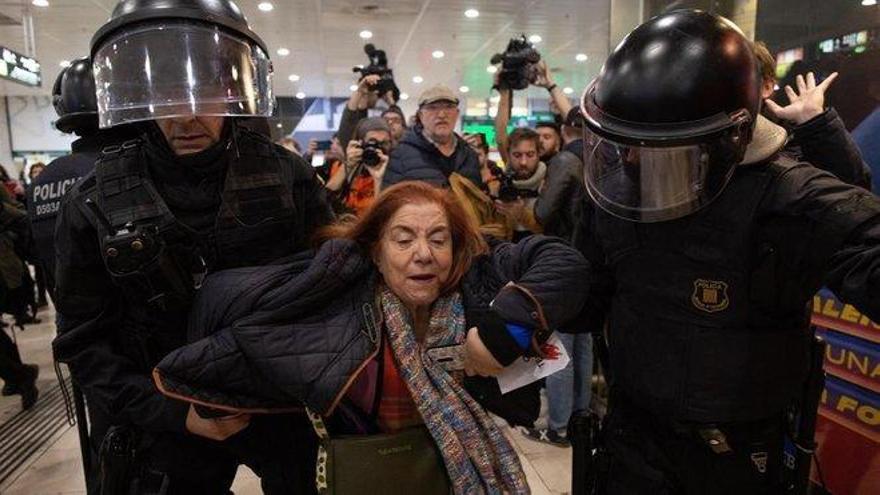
(321, 462)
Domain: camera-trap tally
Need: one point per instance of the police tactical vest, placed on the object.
(696, 331)
(149, 252)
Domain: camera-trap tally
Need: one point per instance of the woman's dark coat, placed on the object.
(274, 337)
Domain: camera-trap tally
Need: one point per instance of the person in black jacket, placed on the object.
(818, 135)
(431, 151)
(196, 192)
(355, 330)
(706, 245)
(74, 102)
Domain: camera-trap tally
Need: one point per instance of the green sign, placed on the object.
(16, 67)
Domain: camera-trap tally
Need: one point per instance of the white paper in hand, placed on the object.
(523, 372)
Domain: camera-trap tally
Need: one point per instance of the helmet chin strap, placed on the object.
(767, 139)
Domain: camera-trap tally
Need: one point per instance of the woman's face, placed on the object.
(415, 253)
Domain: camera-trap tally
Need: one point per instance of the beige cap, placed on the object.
(437, 93)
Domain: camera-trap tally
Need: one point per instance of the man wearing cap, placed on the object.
(431, 151)
(195, 193)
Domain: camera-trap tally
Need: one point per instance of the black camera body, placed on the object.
(379, 67)
(517, 64)
(371, 156)
(507, 191)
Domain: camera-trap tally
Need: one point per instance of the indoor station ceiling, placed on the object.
(323, 39)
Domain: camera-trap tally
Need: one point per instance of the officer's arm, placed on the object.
(558, 187)
(315, 204)
(89, 330)
(825, 142)
(849, 219)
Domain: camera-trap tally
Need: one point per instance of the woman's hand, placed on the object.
(218, 429)
(477, 358)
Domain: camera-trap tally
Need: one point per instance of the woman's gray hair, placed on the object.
(370, 124)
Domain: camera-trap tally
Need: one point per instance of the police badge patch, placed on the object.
(710, 295)
(759, 459)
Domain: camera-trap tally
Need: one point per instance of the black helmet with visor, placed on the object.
(170, 58)
(670, 116)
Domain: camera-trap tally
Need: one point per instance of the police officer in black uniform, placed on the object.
(196, 192)
(706, 246)
(73, 97)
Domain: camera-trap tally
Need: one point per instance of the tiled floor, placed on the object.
(56, 469)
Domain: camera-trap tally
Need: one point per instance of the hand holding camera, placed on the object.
(371, 154)
(518, 64)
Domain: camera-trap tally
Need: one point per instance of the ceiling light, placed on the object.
(40, 3)
(567, 91)
(278, 125)
(265, 6)
(472, 13)
(866, 3)
(301, 95)
(283, 52)
(404, 96)
(438, 54)
(418, 79)
(464, 89)
(64, 63)
(581, 57)
(365, 34)
(293, 77)
(491, 69)
(535, 38)
(353, 87)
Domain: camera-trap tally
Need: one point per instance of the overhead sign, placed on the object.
(19, 68)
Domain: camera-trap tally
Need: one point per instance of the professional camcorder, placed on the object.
(518, 64)
(379, 66)
(509, 192)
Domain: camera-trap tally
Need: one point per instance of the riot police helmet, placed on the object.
(670, 116)
(73, 97)
(159, 59)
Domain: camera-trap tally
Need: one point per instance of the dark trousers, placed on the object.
(280, 449)
(11, 369)
(650, 455)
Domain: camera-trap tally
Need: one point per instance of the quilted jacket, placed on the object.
(272, 338)
(416, 158)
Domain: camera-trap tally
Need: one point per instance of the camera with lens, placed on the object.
(518, 64)
(371, 156)
(379, 67)
(509, 192)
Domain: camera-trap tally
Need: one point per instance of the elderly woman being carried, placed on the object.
(353, 332)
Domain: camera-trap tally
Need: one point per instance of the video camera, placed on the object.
(379, 67)
(517, 64)
(509, 192)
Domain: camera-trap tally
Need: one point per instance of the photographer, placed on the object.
(358, 104)
(355, 184)
(542, 78)
(431, 151)
(522, 183)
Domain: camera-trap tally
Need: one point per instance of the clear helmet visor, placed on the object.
(177, 69)
(654, 184)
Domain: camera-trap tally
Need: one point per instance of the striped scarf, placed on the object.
(477, 456)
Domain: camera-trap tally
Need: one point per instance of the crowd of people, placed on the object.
(222, 302)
